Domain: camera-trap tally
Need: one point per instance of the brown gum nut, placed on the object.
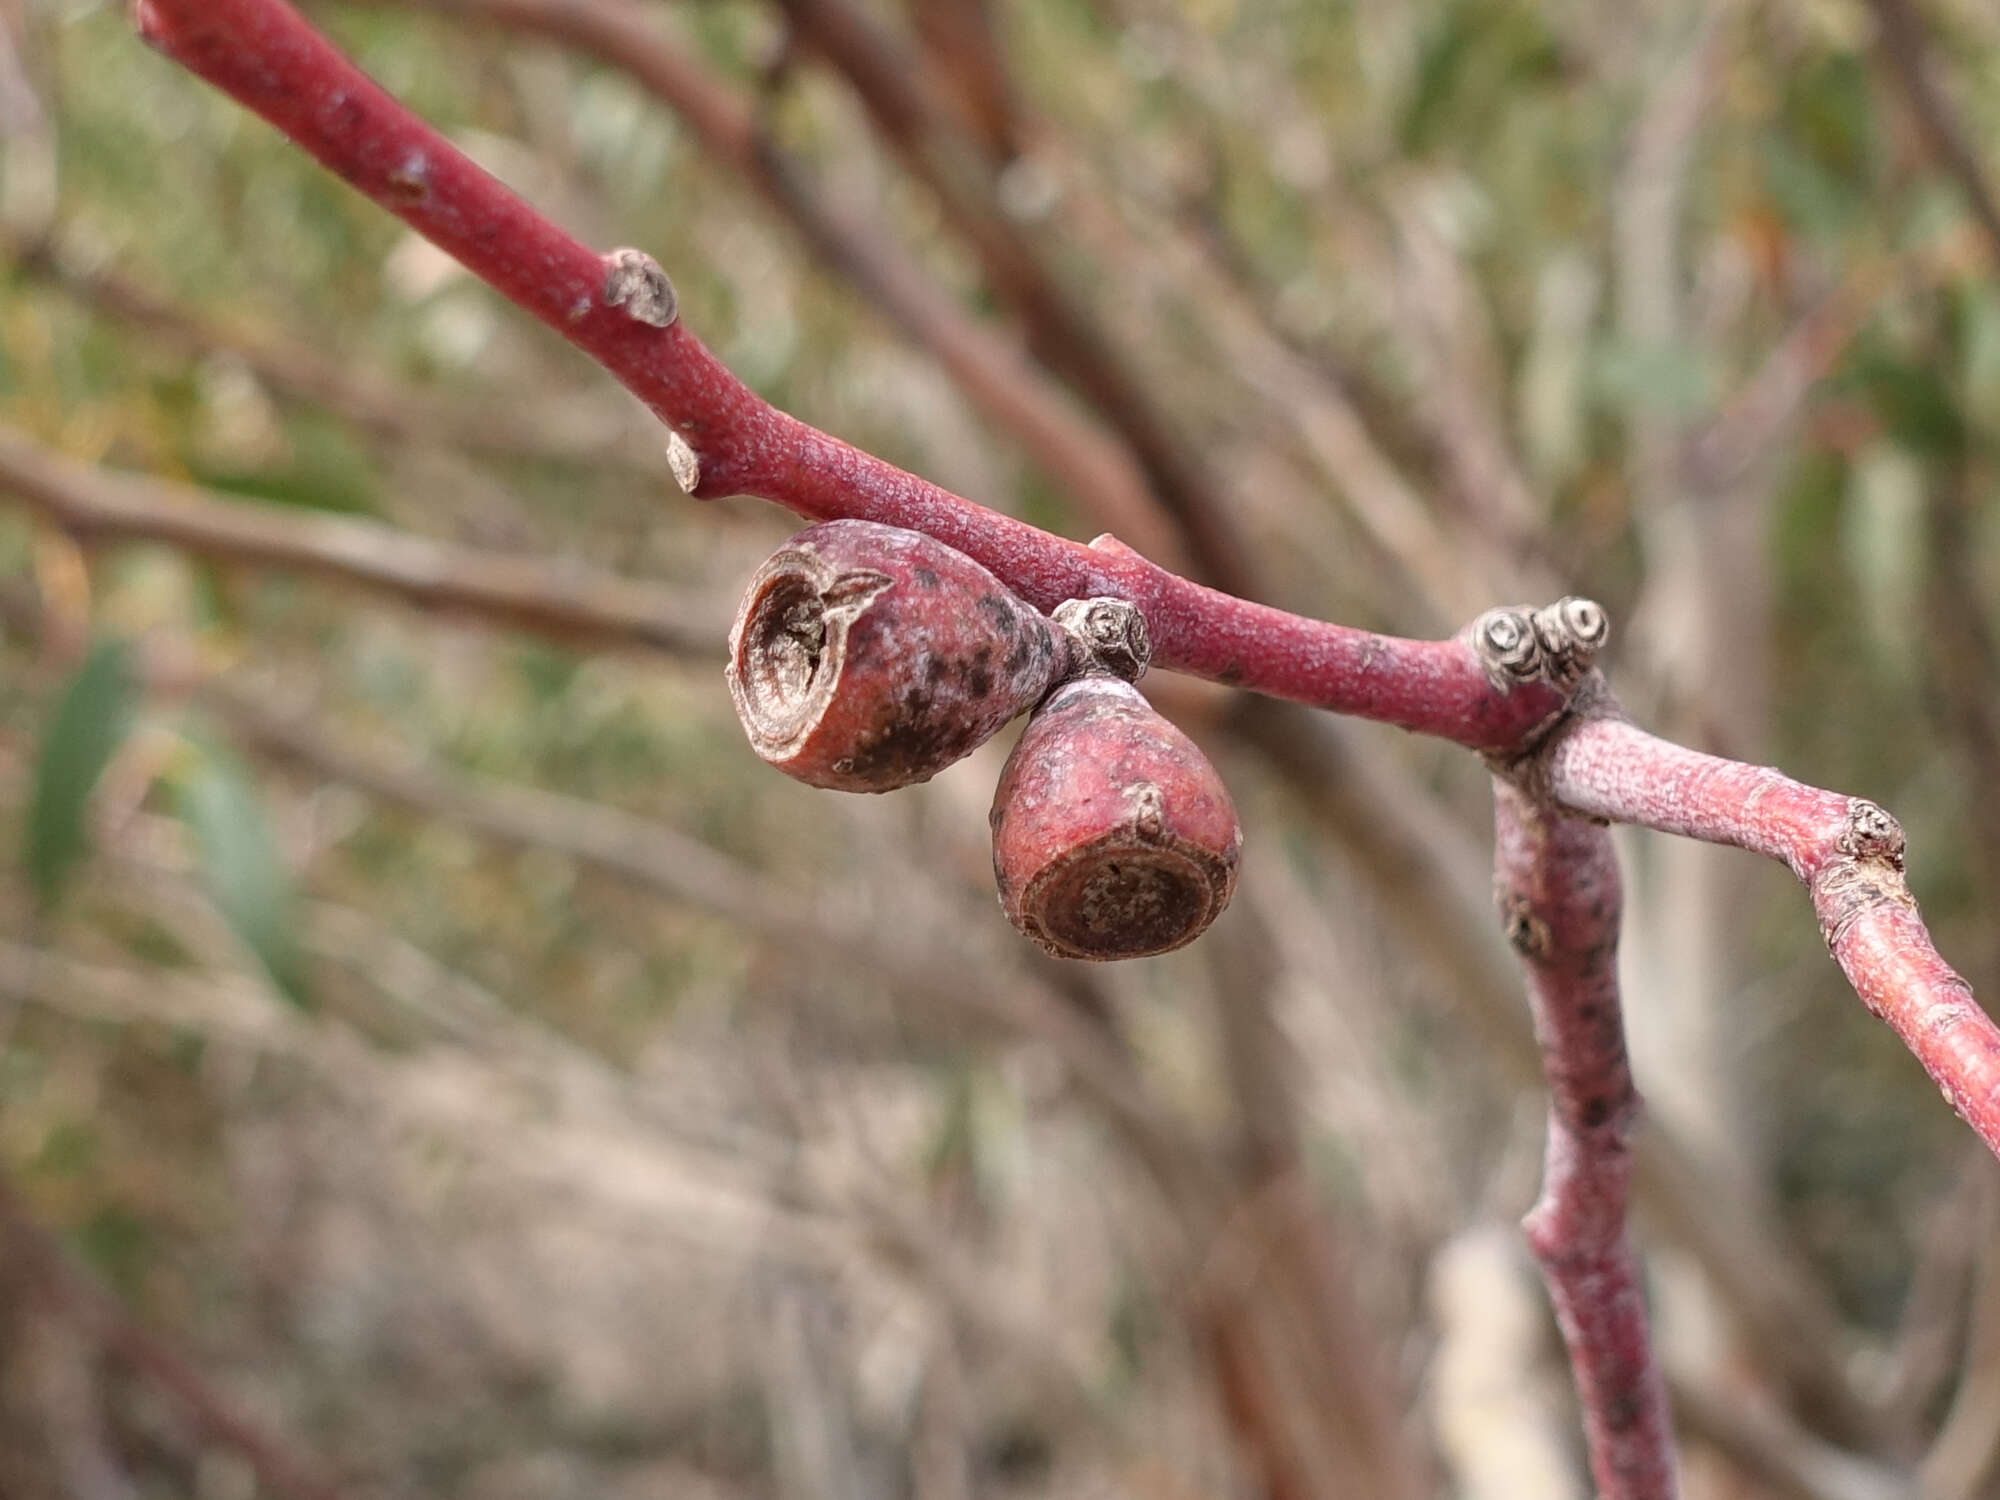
(865, 657)
(1113, 837)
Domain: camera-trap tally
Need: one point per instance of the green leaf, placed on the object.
(85, 731)
(1883, 537)
(1913, 400)
(1664, 379)
(239, 860)
(324, 469)
(1811, 198)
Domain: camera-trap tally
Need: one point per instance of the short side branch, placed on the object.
(1556, 880)
(570, 602)
(1849, 853)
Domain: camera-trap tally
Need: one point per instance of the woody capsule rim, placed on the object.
(867, 657)
(1113, 835)
(1093, 902)
(788, 646)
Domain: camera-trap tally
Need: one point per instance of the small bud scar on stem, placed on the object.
(1109, 635)
(682, 462)
(634, 281)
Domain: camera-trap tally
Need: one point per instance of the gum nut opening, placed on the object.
(789, 645)
(1124, 897)
(1113, 836)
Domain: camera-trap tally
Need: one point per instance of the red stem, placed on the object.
(1557, 882)
(1556, 873)
(1848, 852)
(266, 56)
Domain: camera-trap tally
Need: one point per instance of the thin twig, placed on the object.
(569, 429)
(1426, 869)
(1720, 451)
(568, 602)
(1557, 882)
(1847, 851)
(1309, 1382)
(1087, 464)
(264, 54)
(620, 309)
(819, 925)
(1065, 335)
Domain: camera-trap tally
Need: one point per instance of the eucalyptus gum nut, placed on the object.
(1113, 836)
(865, 657)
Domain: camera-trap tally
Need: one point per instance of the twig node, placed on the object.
(634, 281)
(1110, 634)
(1872, 833)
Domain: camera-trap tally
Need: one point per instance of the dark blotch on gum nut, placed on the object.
(1113, 837)
(865, 657)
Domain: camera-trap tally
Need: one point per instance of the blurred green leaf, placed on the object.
(1883, 538)
(326, 469)
(1913, 400)
(1830, 113)
(1809, 196)
(1819, 160)
(1476, 60)
(239, 859)
(88, 725)
(117, 1243)
(1980, 338)
(1668, 379)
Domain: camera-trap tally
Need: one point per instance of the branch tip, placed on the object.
(1555, 644)
(1505, 641)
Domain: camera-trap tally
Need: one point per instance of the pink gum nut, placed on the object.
(1113, 837)
(865, 657)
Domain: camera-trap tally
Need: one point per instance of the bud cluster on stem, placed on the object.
(866, 658)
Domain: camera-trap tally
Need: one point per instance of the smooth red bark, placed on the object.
(1557, 883)
(266, 56)
(1848, 852)
(1557, 879)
